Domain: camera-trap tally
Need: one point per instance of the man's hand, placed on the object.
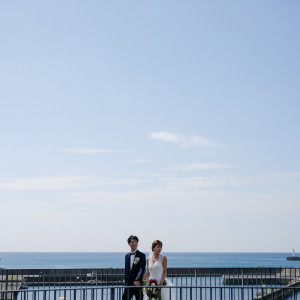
(137, 283)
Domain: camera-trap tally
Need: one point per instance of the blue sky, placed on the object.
(171, 120)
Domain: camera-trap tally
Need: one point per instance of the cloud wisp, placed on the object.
(286, 182)
(64, 182)
(203, 166)
(185, 142)
(204, 182)
(91, 150)
(133, 161)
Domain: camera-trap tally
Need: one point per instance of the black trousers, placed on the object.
(129, 292)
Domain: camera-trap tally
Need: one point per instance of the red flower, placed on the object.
(152, 281)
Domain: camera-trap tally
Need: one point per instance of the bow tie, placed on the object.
(132, 253)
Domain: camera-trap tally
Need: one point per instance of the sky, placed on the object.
(171, 120)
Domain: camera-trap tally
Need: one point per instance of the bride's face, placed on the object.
(157, 249)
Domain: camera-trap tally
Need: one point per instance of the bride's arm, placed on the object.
(164, 275)
(147, 274)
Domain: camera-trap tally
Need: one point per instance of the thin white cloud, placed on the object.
(277, 183)
(134, 161)
(166, 136)
(90, 150)
(194, 207)
(185, 142)
(204, 182)
(195, 202)
(203, 166)
(63, 183)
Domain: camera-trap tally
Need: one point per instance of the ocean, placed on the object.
(61, 260)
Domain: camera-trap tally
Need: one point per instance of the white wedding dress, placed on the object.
(156, 271)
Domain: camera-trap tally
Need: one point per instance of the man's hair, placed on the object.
(132, 237)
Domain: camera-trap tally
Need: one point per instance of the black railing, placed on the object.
(189, 283)
(177, 292)
(15, 279)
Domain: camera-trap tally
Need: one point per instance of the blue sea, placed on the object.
(60, 260)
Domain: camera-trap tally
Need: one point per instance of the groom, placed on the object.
(135, 264)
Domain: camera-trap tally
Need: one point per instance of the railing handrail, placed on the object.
(137, 287)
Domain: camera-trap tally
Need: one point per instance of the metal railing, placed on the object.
(15, 279)
(178, 293)
(189, 283)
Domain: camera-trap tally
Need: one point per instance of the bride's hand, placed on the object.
(145, 277)
(161, 283)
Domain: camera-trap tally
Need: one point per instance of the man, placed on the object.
(135, 264)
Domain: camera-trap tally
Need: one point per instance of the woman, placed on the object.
(157, 269)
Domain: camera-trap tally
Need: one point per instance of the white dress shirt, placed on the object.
(132, 257)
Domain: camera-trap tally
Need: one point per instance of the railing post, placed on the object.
(112, 294)
(15, 295)
(6, 284)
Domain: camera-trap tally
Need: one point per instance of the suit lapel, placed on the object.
(128, 261)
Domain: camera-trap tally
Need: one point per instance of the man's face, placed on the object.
(133, 245)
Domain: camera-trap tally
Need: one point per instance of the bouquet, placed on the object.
(152, 290)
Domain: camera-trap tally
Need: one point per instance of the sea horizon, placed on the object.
(61, 260)
(145, 252)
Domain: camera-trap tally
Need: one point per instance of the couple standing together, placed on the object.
(135, 265)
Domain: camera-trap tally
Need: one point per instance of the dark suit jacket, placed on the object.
(138, 268)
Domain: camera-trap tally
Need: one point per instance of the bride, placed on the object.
(157, 269)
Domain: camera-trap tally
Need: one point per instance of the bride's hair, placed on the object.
(156, 242)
